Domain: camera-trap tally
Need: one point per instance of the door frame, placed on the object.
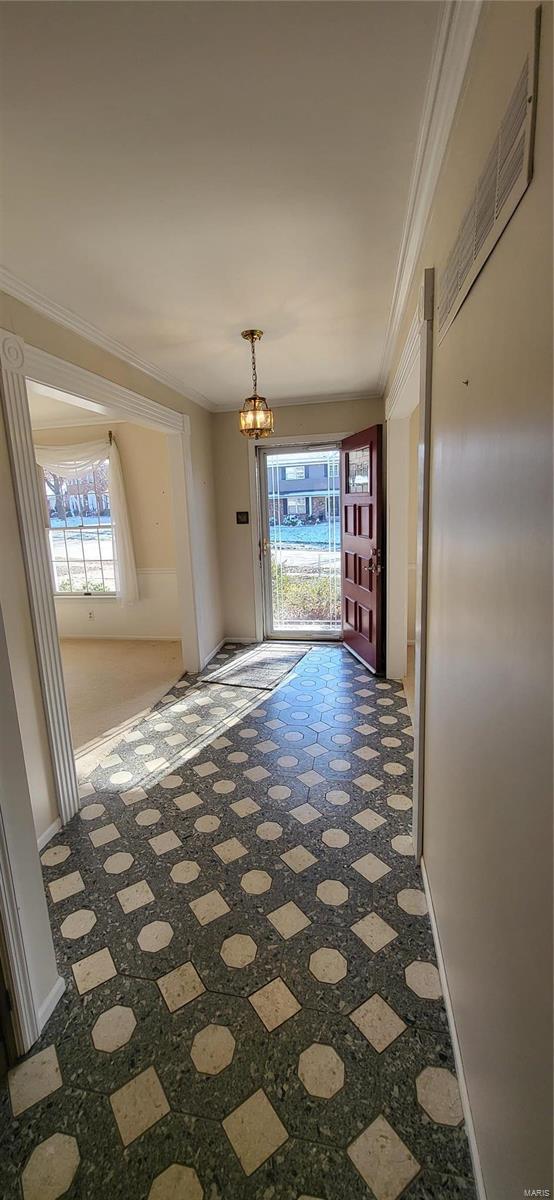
(410, 386)
(19, 362)
(256, 524)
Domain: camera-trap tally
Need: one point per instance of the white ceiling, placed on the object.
(181, 171)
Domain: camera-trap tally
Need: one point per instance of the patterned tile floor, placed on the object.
(253, 1008)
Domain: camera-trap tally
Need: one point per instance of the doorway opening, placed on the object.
(301, 542)
(106, 494)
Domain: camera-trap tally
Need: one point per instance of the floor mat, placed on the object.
(263, 667)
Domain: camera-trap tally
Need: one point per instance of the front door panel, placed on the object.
(363, 545)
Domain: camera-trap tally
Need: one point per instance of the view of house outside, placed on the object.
(81, 535)
(304, 531)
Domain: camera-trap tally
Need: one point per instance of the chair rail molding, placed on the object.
(13, 369)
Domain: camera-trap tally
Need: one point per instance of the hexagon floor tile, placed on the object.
(252, 1002)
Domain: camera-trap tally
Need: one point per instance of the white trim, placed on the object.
(257, 470)
(304, 439)
(156, 571)
(400, 401)
(48, 834)
(411, 386)
(255, 540)
(398, 483)
(298, 401)
(426, 309)
(64, 316)
(205, 660)
(116, 637)
(321, 439)
(462, 1082)
(239, 641)
(96, 394)
(47, 1007)
(458, 24)
(37, 568)
(14, 961)
(188, 553)
(72, 424)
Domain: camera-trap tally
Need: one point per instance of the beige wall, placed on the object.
(231, 458)
(39, 331)
(412, 521)
(488, 791)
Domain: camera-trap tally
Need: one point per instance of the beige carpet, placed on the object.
(109, 683)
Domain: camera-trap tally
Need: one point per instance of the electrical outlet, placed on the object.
(90, 614)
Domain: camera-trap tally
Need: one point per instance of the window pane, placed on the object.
(357, 473)
(74, 544)
(81, 536)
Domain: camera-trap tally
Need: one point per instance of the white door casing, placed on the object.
(410, 387)
(37, 569)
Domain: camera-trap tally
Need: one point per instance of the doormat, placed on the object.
(263, 667)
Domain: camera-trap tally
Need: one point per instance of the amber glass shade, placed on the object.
(256, 419)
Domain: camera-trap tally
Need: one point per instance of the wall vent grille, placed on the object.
(503, 181)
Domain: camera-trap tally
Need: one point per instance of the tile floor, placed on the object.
(253, 1008)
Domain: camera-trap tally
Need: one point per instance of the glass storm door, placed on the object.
(300, 542)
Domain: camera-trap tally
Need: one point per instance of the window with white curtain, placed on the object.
(81, 532)
(89, 531)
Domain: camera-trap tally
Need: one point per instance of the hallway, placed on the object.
(253, 1007)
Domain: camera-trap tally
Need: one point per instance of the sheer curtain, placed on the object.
(71, 461)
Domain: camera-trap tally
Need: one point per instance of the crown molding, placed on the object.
(327, 398)
(15, 287)
(454, 40)
(408, 359)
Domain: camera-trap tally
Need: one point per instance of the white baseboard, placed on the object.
(241, 641)
(207, 657)
(464, 1094)
(49, 833)
(47, 1007)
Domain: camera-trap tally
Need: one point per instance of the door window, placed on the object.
(357, 470)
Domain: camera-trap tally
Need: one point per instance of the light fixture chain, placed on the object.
(254, 371)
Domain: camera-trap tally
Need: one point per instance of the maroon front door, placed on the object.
(363, 551)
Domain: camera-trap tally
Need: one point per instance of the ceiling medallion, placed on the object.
(256, 419)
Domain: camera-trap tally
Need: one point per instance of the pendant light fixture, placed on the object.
(256, 419)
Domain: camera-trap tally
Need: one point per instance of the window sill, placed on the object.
(83, 596)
